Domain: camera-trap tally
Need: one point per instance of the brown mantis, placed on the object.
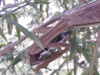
(82, 16)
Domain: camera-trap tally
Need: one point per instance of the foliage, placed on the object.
(83, 40)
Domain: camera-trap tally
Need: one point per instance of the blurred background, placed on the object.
(32, 13)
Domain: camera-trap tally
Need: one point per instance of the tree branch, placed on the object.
(15, 6)
(10, 6)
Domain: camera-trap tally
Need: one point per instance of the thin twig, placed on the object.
(11, 6)
(19, 8)
(52, 20)
(11, 46)
(95, 54)
(13, 10)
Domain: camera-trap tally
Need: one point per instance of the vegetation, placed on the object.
(19, 18)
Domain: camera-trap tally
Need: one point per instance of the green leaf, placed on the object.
(73, 45)
(26, 32)
(83, 51)
(2, 34)
(32, 4)
(41, 7)
(16, 60)
(9, 26)
(17, 30)
(95, 70)
(42, 2)
(18, 33)
(47, 9)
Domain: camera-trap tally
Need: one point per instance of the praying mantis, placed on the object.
(86, 15)
(82, 16)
